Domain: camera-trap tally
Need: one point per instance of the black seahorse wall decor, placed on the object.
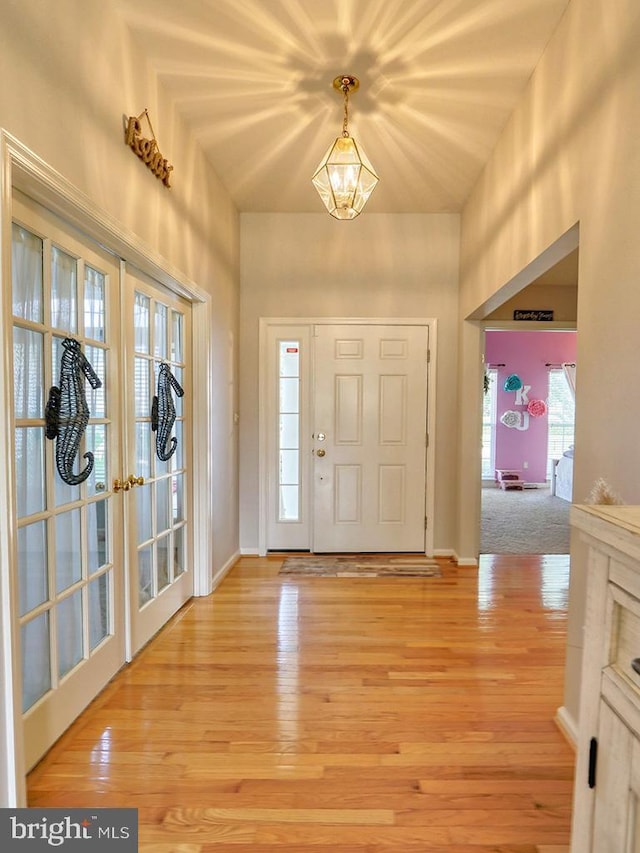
(67, 412)
(163, 413)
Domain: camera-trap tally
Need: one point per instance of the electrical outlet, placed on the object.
(525, 465)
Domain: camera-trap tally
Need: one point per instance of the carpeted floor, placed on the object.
(360, 565)
(531, 521)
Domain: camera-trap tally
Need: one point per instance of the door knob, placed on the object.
(129, 483)
(320, 452)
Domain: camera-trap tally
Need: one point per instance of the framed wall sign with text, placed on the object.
(532, 314)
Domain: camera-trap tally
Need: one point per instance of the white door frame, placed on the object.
(21, 169)
(263, 395)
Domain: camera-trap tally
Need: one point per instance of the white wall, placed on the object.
(571, 154)
(70, 73)
(308, 265)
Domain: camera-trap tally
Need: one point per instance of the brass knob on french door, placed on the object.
(121, 485)
(136, 481)
(320, 452)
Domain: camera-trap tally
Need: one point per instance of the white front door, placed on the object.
(369, 437)
(343, 448)
(68, 571)
(157, 470)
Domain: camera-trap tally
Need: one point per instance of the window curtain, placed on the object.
(570, 376)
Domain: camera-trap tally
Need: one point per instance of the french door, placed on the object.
(155, 482)
(345, 441)
(68, 569)
(101, 388)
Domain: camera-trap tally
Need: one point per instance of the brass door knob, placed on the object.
(320, 452)
(129, 483)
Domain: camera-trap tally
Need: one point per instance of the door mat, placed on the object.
(361, 566)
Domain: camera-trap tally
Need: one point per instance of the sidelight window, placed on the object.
(289, 430)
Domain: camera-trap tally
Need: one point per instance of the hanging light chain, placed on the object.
(345, 89)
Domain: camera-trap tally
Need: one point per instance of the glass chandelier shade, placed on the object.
(345, 177)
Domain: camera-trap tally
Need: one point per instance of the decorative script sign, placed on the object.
(521, 314)
(147, 149)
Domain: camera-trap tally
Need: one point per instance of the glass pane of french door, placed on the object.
(158, 374)
(68, 572)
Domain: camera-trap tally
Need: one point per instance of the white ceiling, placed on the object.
(253, 80)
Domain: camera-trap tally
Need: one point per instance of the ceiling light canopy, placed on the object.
(345, 178)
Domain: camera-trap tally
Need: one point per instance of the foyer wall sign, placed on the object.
(533, 314)
(147, 149)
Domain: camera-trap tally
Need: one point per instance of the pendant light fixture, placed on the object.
(345, 178)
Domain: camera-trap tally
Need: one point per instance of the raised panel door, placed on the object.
(369, 437)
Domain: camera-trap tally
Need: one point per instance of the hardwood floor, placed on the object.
(383, 715)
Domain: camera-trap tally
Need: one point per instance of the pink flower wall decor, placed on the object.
(537, 408)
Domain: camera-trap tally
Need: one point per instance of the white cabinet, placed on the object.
(606, 810)
(616, 828)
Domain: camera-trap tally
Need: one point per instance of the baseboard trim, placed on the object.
(466, 562)
(224, 571)
(567, 726)
(438, 552)
(449, 552)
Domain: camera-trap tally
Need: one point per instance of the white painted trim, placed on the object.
(12, 771)
(263, 440)
(347, 321)
(126, 453)
(430, 477)
(21, 169)
(529, 326)
(203, 464)
(264, 323)
(465, 562)
(567, 725)
(250, 552)
(224, 571)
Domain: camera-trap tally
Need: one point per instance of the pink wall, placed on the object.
(526, 354)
